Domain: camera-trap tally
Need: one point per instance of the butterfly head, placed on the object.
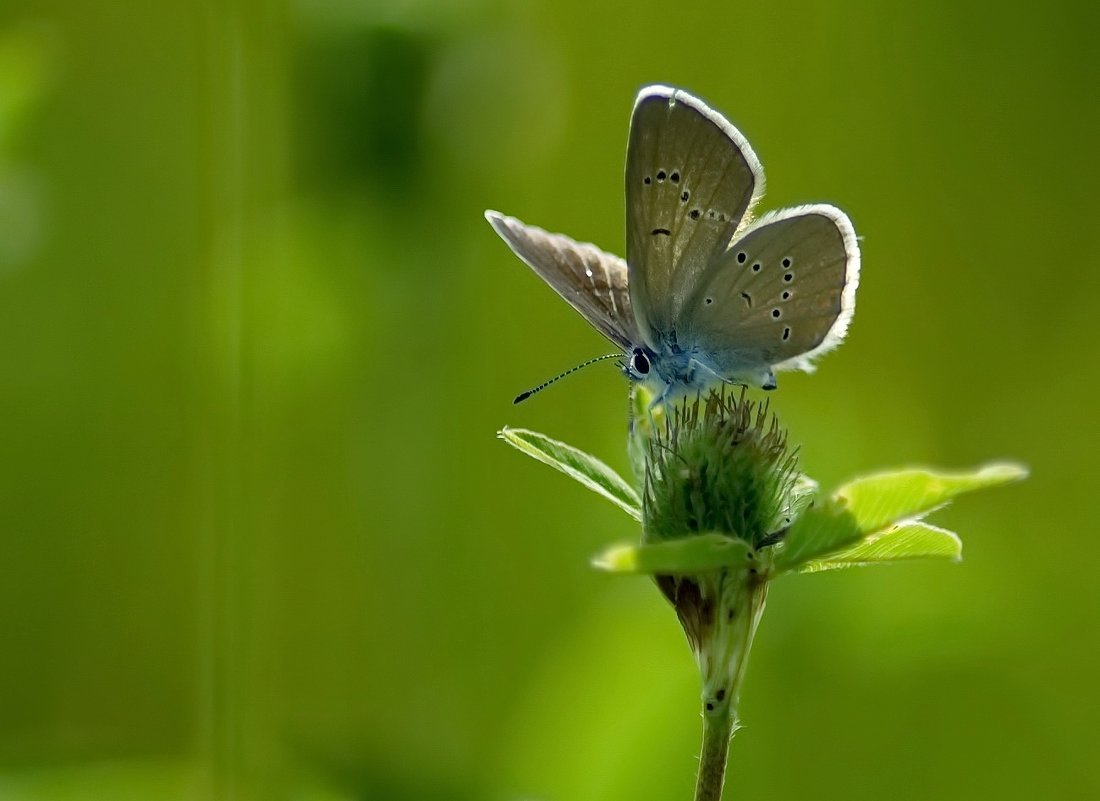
(669, 372)
(639, 365)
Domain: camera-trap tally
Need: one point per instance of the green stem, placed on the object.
(729, 657)
(717, 732)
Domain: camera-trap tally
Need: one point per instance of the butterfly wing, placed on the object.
(783, 294)
(691, 178)
(591, 281)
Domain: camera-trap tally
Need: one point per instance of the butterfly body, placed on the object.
(705, 295)
(673, 371)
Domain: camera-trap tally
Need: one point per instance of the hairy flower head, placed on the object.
(717, 464)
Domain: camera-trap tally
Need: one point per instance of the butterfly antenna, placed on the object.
(525, 395)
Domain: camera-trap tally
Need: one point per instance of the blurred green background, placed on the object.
(257, 539)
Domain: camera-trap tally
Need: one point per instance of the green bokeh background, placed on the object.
(257, 539)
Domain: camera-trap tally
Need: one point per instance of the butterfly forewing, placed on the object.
(591, 281)
(782, 294)
(690, 179)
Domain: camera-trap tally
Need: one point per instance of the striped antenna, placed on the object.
(525, 395)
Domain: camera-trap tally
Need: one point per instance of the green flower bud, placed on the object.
(717, 464)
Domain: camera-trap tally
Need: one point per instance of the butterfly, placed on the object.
(707, 294)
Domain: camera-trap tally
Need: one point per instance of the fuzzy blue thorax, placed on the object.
(671, 373)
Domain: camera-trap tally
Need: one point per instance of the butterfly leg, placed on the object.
(714, 376)
(659, 400)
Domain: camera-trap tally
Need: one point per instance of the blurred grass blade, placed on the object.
(880, 500)
(576, 464)
(697, 554)
(905, 541)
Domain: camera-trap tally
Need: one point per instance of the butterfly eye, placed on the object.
(639, 362)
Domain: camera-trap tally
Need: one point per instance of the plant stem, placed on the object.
(732, 646)
(717, 731)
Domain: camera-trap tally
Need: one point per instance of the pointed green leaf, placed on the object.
(697, 554)
(911, 540)
(864, 507)
(880, 500)
(802, 496)
(820, 529)
(576, 464)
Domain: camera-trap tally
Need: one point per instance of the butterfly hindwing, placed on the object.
(781, 295)
(691, 178)
(591, 281)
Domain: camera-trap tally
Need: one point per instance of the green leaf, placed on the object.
(820, 529)
(905, 541)
(802, 495)
(861, 509)
(696, 554)
(879, 500)
(578, 465)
